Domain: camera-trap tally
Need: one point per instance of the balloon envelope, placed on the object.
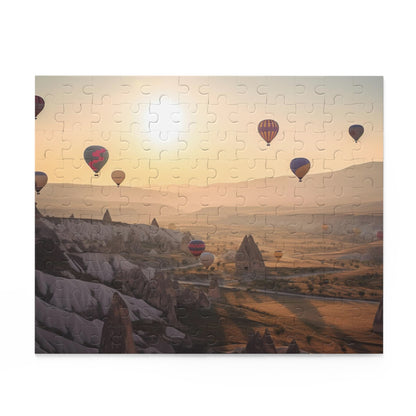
(278, 254)
(268, 129)
(41, 179)
(206, 259)
(96, 157)
(196, 247)
(39, 104)
(300, 167)
(379, 235)
(118, 176)
(356, 131)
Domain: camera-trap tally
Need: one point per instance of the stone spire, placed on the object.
(107, 217)
(378, 319)
(249, 261)
(117, 333)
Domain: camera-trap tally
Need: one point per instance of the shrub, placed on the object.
(279, 329)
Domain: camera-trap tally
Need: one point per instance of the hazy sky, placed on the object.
(201, 130)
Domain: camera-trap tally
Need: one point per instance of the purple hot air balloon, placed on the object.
(268, 129)
(39, 104)
(300, 167)
(356, 131)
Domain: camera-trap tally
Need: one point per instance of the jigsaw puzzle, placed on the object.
(209, 214)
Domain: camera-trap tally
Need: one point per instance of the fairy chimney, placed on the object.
(378, 320)
(107, 217)
(260, 345)
(117, 333)
(37, 212)
(214, 289)
(249, 261)
(154, 222)
(293, 348)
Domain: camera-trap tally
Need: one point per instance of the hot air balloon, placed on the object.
(118, 176)
(196, 247)
(39, 104)
(325, 227)
(356, 131)
(96, 157)
(206, 259)
(278, 255)
(41, 179)
(379, 235)
(356, 231)
(300, 167)
(268, 129)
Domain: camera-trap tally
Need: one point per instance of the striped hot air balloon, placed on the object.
(39, 104)
(268, 129)
(356, 131)
(196, 247)
(300, 167)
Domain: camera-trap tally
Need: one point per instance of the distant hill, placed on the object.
(357, 189)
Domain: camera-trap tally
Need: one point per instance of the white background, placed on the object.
(198, 38)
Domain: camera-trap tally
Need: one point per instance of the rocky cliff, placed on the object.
(95, 293)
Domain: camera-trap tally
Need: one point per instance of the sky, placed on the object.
(164, 131)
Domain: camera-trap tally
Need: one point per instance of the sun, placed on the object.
(167, 118)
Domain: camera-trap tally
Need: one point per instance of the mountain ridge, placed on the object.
(352, 187)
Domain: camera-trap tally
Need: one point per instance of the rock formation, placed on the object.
(154, 223)
(186, 239)
(378, 320)
(107, 217)
(293, 348)
(249, 261)
(158, 291)
(214, 289)
(261, 345)
(117, 333)
(37, 212)
(79, 268)
(203, 301)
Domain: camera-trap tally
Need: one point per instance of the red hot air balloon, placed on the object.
(39, 104)
(196, 247)
(96, 157)
(268, 129)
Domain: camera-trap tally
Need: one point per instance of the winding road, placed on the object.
(273, 292)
